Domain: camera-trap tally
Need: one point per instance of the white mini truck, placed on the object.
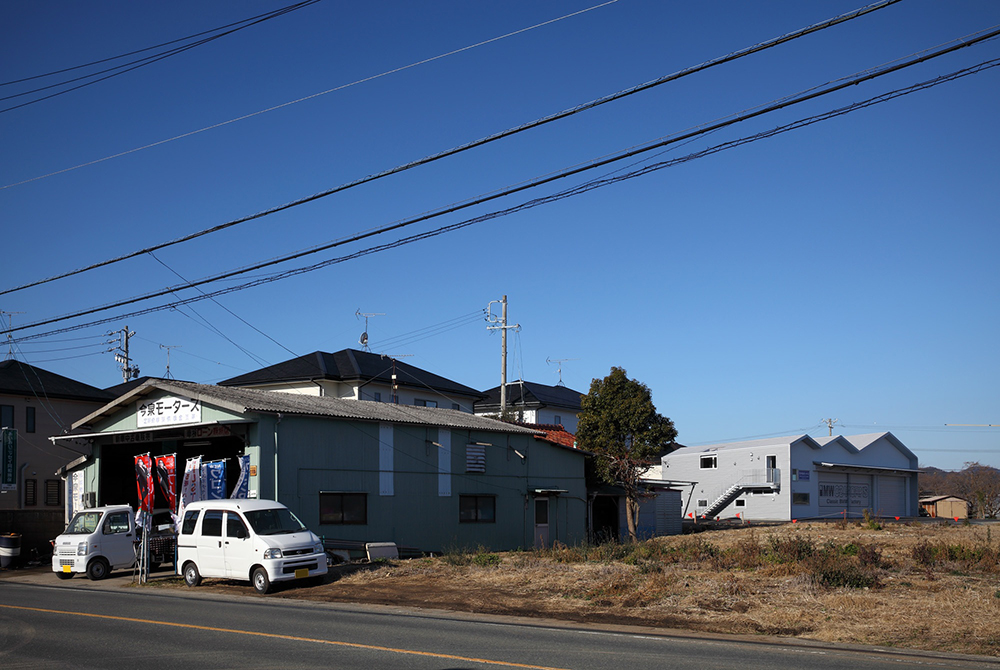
(257, 540)
(102, 539)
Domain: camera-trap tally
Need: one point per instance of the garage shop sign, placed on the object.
(844, 495)
(167, 411)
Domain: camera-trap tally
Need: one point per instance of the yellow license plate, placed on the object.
(67, 568)
(301, 573)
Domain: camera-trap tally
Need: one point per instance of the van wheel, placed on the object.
(191, 575)
(64, 575)
(260, 580)
(98, 569)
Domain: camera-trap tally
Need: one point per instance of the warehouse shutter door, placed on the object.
(832, 493)
(891, 496)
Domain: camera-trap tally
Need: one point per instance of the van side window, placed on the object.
(190, 521)
(116, 523)
(235, 526)
(212, 525)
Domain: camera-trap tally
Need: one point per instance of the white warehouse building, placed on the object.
(797, 477)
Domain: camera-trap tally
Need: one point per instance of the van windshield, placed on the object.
(84, 523)
(274, 521)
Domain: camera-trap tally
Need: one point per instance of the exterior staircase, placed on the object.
(754, 481)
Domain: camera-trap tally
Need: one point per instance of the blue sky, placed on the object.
(846, 270)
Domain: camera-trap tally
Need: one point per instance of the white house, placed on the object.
(535, 403)
(797, 477)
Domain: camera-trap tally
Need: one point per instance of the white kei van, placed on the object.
(256, 540)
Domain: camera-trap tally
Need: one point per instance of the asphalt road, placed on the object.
(89, 625)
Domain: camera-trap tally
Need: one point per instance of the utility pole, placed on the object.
(829, 423)
(503, 328)
(129, 371)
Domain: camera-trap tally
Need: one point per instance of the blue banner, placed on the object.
(215, 480)
(242, 489)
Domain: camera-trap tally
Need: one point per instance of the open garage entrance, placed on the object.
(117, 458)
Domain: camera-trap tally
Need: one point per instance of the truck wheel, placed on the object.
(260, 580)
(64, 575)
(191, 575)
(98, 569)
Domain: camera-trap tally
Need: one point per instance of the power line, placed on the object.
(139, 51)
(576, 190)
(477, 143)
(142, 62)
(309, 97)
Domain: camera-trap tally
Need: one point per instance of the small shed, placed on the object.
(946, 507)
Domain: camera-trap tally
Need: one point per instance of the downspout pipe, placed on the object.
(276, 424)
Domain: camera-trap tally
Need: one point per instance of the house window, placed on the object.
(800, 498)
(455, 405)
(702, 502)
(475, 458)
(709, 462)
(558, 420)
(29, 419)
(343, 508)
(53, 492)
(378, 396)
(477, 509)
(6, 416)
(30, 492)
(420, 402)
(741, 503)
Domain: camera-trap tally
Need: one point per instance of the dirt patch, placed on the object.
(920, 586)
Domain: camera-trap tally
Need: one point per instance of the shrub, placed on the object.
(486, 560)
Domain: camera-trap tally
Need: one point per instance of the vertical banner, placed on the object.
(144, 482)
(8, 460)
(242, 489)
(191, 488)
(215, 480)
(166, 475)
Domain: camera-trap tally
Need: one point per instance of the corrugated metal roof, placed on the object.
(244, 400)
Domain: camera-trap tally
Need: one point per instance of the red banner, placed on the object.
(144, 481)
(166, 474)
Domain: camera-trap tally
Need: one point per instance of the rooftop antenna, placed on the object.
(168, 347)
(559, 362)
(10, 324)
(363, 340)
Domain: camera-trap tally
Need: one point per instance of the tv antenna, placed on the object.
(10, 324)
(168, 347)
(363, 340)
(559, 362)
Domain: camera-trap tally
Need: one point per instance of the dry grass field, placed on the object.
(931, 586)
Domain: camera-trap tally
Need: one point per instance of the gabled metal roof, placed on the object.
(245, 401)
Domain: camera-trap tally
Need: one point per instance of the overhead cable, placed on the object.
(142, 62)
(465, 147)
(572, 191)
(309, 97)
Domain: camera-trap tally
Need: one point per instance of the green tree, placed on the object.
(620, 424)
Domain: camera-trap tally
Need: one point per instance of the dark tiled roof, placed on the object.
(244, 400)
(18, 378)
(122, 389)
(531, 394)
(349, 365)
